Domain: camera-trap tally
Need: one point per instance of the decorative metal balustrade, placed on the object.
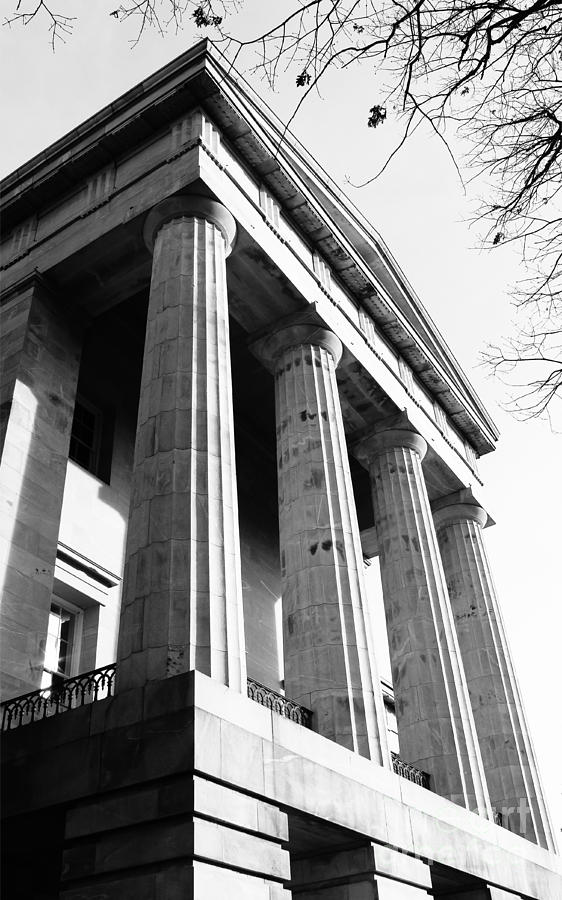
(69, 694)
(410, 772)
(303, 716)
(279, 704)
(99, 683)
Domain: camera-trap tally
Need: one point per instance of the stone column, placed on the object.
(182, 600)
(329, 665)
(40, 353)
(435, 726)
(507, 752)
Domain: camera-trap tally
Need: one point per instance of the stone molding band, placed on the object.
(190, 206)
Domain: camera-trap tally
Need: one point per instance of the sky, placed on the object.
(421, 209)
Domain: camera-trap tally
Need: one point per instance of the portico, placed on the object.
(279, 396)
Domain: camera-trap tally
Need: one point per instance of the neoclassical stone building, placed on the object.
(220, 399)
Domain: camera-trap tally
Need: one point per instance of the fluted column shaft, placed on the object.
(507, 752)
(329, 665)
(435, 726)
(182, 603)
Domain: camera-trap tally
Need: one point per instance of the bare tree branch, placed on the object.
(486, 71)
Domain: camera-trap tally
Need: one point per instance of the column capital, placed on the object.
(302, 329)
(371, 446)
(191, 206)
(447, 510)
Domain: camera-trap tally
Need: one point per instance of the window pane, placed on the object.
(46, 680)
(58, 647)
(80, 453)
(86, 436)
(53, 640)
(65, 645)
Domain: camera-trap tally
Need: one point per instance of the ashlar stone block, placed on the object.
(183, 834)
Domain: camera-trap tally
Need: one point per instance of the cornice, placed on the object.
(270, 151)
(112, 132)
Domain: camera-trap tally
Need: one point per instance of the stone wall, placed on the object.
(185, 785)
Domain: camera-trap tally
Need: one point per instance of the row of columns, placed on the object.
(435, 724)
(459, 714)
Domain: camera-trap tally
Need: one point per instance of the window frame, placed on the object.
(101, 451)
(75, 641)
(94, 450)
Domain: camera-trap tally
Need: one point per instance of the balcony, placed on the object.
(69, 694)
(100, 683)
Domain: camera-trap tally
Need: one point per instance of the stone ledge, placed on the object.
(163, 840)
(198, 727)
(379, 804)
(185, 794)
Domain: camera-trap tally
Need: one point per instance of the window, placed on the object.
(85, 437)
(63, 640)
(391, 723)
(91, 439)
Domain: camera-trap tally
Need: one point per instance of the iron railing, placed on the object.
(69, 694)
(279, 704)
(303, 716)
(100, 683)
(410, 772)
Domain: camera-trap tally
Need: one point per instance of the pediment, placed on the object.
(318, 211)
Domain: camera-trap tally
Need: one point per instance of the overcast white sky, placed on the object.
(420, 209)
